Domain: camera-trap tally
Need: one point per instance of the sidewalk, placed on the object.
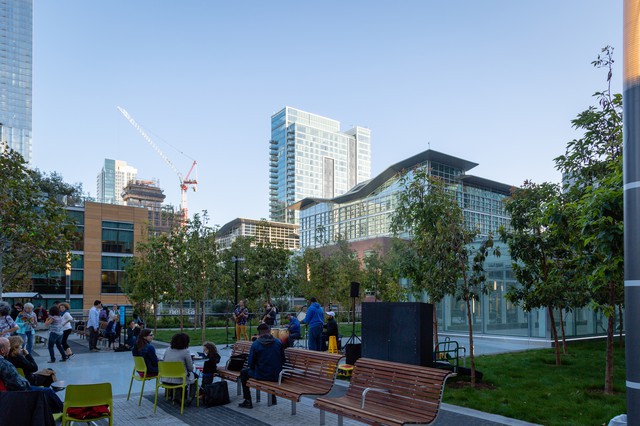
(116, 367)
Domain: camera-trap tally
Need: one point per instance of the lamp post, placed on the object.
(67, 283)
(236, 260)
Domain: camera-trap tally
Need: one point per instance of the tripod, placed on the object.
(354, 338)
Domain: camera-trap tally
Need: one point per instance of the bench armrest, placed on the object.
(288, 370)
(364, 393)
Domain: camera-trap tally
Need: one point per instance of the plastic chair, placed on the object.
(173, 370)
(139, 366)
(78, 396)
(20, 371)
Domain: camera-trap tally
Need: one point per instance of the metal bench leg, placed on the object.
(322, 418)
(268, 400)
(293, 408)
(258, 396)
(238, 386)
(340, 420)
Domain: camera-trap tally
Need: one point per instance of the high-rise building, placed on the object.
(311, 157)
(16, 47)
(112, 179)
(147, 194)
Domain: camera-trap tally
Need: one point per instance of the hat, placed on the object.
(331, 314)
(264, 327)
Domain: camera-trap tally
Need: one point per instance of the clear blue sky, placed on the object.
(496, 82)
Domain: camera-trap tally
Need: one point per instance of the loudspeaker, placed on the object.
(355, 289)
(398, 331)
(353, 352)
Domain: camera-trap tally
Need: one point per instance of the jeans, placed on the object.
(56, 339)
(93, 338)
(65, 336)
(315, 338)
(27, 340)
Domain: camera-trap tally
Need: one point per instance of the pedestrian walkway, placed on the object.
(116, 368)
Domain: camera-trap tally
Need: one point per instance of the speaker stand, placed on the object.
(354, 338)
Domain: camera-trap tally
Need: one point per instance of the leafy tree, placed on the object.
(36, 234)
(428, 210)
(592, 166)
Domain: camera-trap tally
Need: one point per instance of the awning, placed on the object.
(21, 295)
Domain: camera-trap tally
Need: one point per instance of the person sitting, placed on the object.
(20, 358)
(15, 382)
(294, 329)
(266, 358)
(132, 334)
(145, 349)
(212, 358)
(179, 351)
(112, 331)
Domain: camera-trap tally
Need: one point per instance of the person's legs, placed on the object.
(243, 331)
(93, 338)
(29, 341)
(65, 345)
(315, 338)
(246, 392)
(52, 357)
(58, 343)
(237, 332)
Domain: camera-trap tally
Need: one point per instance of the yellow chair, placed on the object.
(20, 371)
(173, 370)
(78, 396)
(139, 366)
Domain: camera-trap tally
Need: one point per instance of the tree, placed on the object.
(592, 166)
(36, 234)
(428, 210)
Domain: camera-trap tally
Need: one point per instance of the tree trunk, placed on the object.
(155, 317)
(435, 326)
(621, 316)
(608, 375)
(471, 355)
(564, 339)
(554, 331)
(204, 316)
(180, 300)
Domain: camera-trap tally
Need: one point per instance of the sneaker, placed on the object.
(64, 359)
(246, 404)
(70, 356)
(95, 350)
(51, 360)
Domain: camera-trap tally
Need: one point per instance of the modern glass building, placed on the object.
(112, 180)
(16, 64)
(363, 215)
(311, 157)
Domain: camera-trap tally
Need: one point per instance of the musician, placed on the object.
(294, 328)
(240, 316)
(269, 317)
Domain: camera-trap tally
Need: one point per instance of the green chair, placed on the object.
(172, 370)
(20, 371)
(80, 396)
(139, 366)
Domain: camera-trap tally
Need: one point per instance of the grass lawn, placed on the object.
(528, 386)
(216, 335)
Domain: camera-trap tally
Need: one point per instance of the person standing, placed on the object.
(266, 358)
(67, 328)
(15, 311)
(93, 324)
(27, 323)
(55, 333)
(240, 315)
(7, 324)
(269, 317)
(315, 320)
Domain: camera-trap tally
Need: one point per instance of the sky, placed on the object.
(495, 82)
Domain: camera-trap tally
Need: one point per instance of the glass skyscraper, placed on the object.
(112, 179)
(16, 47)
(311, 157)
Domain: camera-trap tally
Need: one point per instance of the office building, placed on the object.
(112, 179)
(363, 217)
(147, 194)
(311, 157)
(279, 234)
(16, 65)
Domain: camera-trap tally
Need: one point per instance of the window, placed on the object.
(117, 237)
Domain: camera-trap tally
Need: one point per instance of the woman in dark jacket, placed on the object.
(145, 349)
(20, 358)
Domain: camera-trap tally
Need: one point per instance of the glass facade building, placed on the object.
(112, 180)
(311, 157)
(16, 64)
(363, 217)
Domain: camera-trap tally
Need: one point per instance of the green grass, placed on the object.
(216, 335)
(528, 386)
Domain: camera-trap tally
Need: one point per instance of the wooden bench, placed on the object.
(240, 347)
(305, 373)
(390, 393)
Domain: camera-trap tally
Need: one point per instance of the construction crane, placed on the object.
(184, 183)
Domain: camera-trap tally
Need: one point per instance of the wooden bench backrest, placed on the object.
(414, 388)
(241, 347)
(320, 366)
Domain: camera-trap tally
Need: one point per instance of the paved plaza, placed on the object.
(116, 367)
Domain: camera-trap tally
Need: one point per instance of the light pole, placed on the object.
(67, 283)
(236, 260)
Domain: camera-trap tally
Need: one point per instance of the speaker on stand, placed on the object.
(353, 347)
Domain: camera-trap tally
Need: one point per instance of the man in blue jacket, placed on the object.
(315, 321)
(266, 358)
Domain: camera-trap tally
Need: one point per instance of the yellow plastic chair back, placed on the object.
(139, 366)
(88, 396)
(171, 370)
(20, 371)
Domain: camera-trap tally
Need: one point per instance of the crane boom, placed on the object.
(184, 183)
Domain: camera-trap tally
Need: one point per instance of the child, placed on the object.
(212, 359)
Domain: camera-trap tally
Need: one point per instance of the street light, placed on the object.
(236, 260)
(67, 283)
